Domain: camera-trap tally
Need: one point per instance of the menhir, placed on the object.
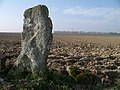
(36, 41)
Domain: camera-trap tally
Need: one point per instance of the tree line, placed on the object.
(87, 33)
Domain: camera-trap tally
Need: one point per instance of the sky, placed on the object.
(66, 15)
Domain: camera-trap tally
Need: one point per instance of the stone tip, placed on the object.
(41, 8)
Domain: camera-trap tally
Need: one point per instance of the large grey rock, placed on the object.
(36, 40)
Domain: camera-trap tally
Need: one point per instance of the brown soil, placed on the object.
(100, 53)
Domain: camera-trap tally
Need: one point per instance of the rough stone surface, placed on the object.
(36, 40)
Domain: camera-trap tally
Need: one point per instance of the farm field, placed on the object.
(98, 53)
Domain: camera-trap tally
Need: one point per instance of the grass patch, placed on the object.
(52, 81)
(117, 86)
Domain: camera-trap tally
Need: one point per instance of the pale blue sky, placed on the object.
(82, 15)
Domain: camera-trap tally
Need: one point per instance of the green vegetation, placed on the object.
(117, 86)
(82, 76)
(85, 78)
(52, 81)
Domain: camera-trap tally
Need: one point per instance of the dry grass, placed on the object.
(10, 36)
(98, 39)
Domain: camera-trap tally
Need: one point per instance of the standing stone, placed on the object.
(36, 41)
